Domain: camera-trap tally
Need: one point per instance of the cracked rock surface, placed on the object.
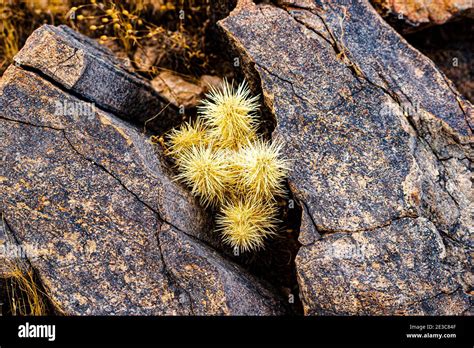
(88, 70)
(110, 231)
(381, 144)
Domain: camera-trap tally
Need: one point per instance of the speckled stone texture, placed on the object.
(451, 48)
(214, 285)
(92, 197)
(82, 66)
(381, 144)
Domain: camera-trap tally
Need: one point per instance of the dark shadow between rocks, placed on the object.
(276, 263)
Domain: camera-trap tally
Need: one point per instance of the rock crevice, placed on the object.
(94, 199)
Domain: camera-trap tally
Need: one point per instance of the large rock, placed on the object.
(108, 229)
(214, 285)
(79, 65)
(381, 144)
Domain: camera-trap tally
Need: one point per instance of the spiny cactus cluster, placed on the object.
(225, 163)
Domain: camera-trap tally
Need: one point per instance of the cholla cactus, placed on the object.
(188, 135)
(230, 114)
(262, 170)
(245, 223)
(224, 162)
(207, 172)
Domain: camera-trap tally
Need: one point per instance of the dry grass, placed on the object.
(9, 37)
(173, 30)
(25, 297)
(18, 19)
